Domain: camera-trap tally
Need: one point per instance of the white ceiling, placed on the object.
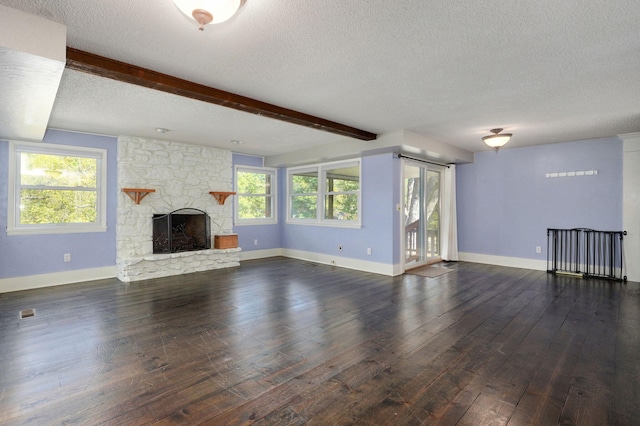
(546, 70)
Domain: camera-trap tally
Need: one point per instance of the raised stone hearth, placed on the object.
(182, 176)
(163, 265)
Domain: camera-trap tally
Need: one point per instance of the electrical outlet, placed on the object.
(255, 242)
(538, 249)
(67, 257)
(369, 251)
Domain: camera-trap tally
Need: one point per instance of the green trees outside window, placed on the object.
(304, 195)
(342, 188)
(255, 194)
(56, 189)
(325, 193)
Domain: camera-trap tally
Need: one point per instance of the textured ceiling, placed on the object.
(544, 70)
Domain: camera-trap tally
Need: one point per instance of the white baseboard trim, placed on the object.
(57, 278)
(69, 277)
(344, 262)
(512, 262)
(260, 254)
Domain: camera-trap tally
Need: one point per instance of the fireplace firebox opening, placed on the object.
(181, 230)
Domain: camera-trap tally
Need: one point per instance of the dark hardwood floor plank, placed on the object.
(625, 398)
(591, 391)
(286, 342)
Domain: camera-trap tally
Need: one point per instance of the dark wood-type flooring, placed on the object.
(285, 342)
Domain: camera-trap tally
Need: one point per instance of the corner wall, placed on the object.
(33, 261)
(259, 240)
(631, 211)
(379, 230)
(506, 202)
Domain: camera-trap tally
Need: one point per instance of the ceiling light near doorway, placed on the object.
(497, 140)
(206, 12)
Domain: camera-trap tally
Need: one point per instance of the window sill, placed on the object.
(331, 224)
(55, 230)
(254, 222)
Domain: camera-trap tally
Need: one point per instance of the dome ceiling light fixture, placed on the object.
(206, 12)
(497, 140)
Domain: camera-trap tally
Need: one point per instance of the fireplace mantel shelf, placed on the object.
(221, 196)
(137, 194)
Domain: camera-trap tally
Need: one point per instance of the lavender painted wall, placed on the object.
(268, 236)
(379, 192)
(505, 205)
(22, 255)
(398, 228)
(505, 202)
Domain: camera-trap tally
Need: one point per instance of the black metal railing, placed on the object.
(413, 241)
(586, 252)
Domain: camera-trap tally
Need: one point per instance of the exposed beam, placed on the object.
(121, 71)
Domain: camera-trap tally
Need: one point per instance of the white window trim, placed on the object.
(304, 169)
(237, 221)
(319, 220)
(14, 228)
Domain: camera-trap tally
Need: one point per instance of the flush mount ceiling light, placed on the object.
(497, 140)
(208, 11)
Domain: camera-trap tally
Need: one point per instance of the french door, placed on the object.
(422, 193)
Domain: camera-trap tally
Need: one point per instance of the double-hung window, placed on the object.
(255, 200)
(56, 189)
(325, 194)
(303, 193)
(341, 192)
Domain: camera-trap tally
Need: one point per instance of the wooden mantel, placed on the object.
(221, 196)
(137, 194)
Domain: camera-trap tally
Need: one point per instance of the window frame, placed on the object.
(321, 170)
(237, 220)
(290, 195)
(16, 148)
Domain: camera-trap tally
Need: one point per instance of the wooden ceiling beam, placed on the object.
(105, 67)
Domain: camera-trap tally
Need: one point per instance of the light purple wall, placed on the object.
(398, 250)
(268, 236)
(505, 202)
(505, 205)
(22, 255)
(379, 192)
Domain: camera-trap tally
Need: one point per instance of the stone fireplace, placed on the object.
(170, 231)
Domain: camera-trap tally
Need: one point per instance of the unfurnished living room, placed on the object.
(272, 212)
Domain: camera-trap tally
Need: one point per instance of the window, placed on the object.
(56, 189)
(327, 194)
(304, 194)
(342, 188)
(255, 199)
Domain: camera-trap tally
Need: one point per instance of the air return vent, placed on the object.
(27, 313)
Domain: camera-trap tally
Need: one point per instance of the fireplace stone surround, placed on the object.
(182, 176)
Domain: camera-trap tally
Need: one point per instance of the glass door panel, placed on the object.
(421, 215)
(432, 214)
(414, 225)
